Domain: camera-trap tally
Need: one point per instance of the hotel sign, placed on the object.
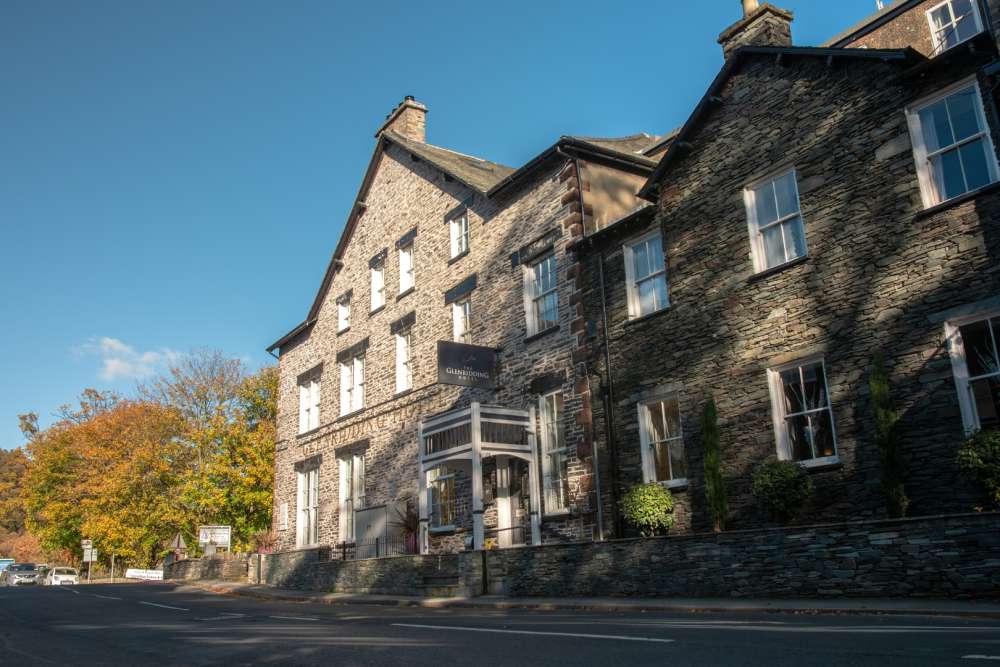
(467, 365)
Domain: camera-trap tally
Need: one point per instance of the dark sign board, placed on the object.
(467, 365)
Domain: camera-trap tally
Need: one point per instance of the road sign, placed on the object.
(86, 544)
(133, 573)
(217, 535)
(90, 555)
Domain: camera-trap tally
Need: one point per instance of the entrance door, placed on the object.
(512, 501)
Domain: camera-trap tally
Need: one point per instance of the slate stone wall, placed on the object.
(944, 557)
(880, 270)
(226, 569)
(408, 194)
(312, 569)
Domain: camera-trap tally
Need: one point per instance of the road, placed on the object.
(167, 624)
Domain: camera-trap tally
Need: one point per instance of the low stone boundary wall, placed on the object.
(227, 569)
(956, 556)
(311, 569)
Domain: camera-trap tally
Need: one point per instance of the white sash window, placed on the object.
(404, 365)
(352, 493)
(352, 385)
(307, 525)
(646, 276)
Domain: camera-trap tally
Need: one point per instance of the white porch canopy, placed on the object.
(472, 434)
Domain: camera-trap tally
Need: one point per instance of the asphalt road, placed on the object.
(165, 624)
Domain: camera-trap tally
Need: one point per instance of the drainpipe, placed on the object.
(616, 519)
(609, 403)
(593, 440)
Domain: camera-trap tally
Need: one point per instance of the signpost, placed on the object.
(214, 536)
(89, 555)
(467, 365)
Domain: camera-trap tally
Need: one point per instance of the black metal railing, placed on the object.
(516, 534)
(379, 547)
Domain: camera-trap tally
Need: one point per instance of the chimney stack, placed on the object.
(761, 25)
(408, 119)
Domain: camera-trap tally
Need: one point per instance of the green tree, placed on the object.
(715, 485)
(887, 439)
(650, 508)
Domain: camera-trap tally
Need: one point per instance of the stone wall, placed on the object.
(954, 556)
(312, 569)
(226, 569)
(879, 272)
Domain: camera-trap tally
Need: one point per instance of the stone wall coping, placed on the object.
(846, 525)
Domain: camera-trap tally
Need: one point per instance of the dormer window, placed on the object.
(953, 22)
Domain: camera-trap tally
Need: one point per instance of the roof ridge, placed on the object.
(442, 148)
(637, 135)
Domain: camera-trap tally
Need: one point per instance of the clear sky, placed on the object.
(175, 174)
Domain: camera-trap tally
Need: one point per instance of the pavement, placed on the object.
(176, 624)
(911, 606)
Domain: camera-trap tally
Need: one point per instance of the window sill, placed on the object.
(760, 275)
(403, 392)
(825, 463)
(406, 292)
(377, 310)
(676, 484)
(647, 316)
(341, 332)
(541, 334)
(557, 514)
(441, 530)
(457, 257)
(306, 434)
(955, 201)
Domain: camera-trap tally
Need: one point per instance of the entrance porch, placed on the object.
(463, 439)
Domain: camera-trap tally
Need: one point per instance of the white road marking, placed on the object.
(162, 606)
(221, 617)
(105, 597)
(69, 590)
(981, 657)
(294, 618)
(535, 632)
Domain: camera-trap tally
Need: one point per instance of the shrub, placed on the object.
(979, 459)
(887, 440)
(715, 485)
(781, 488)
(650, 508)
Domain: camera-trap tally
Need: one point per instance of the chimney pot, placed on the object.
(749, 7)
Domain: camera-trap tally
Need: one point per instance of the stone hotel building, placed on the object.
(496, 354)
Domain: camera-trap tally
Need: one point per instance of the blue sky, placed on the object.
(175, 175)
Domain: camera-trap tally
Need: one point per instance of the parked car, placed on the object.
(62, 576)
(21, 574)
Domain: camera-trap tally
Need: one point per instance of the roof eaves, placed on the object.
(291, 335)
(869, 23)
(710, 97)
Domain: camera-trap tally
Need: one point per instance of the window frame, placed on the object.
(758, 252)
(647, 444)
(407, 251)
(532, 299)
(404, 360)
(779, 417)
(959, 365)
(283, 516)
(352, 496)
(343, 315)
(922, 158)
(379, 271)
(459, 232)
(307, 508)
(435, 477)
(633, 299)
(461, 313)
(547, 450)
(936, 39)
(350, 386)
(310, 392)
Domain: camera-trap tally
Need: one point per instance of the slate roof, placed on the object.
(478, 174)
(634, 144)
